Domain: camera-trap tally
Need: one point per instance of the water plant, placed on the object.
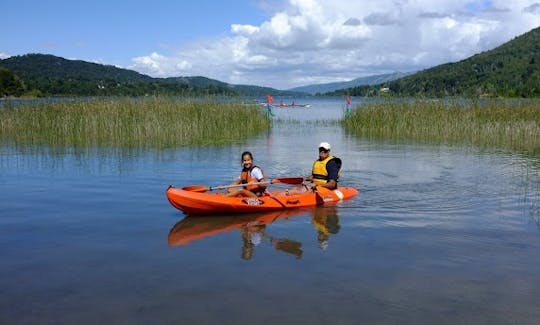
(513, 125)
(154, 122)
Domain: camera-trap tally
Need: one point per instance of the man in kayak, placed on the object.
(325, 171)
(250, 174)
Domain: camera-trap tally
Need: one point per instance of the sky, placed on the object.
(272, 43)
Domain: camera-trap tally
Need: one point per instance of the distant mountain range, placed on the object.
(332, 86)
(510, 70)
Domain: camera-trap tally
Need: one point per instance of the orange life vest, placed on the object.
(245, 178)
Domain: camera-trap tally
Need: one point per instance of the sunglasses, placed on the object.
(322, 150)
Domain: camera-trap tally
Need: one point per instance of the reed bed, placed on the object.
(513, 125)
(156, 123)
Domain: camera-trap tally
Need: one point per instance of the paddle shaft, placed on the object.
(283, 180)
(221, 187)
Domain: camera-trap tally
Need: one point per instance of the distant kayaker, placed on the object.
(325, 171)
(250, 174)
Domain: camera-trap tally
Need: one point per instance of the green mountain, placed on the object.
(510, 70)
(53, 67)
(332, 86)
(48, 75)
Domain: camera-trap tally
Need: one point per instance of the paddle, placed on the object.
(282, 180)
(288, 180)
(321, 192)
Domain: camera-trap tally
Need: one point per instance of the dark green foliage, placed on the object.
(55, 76)
(10, 84)
(510, 70)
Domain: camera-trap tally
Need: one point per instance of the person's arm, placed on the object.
(259, 176)
(332, 169)
(331, 184)
(309, 178)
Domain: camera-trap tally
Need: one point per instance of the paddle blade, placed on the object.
(196, 188)
(289, 180)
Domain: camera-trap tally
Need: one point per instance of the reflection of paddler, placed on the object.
(251, 237)
(326, 222)
(253, 234)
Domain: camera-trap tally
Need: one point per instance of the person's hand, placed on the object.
(252, 187)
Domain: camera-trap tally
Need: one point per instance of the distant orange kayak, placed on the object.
(195, 202)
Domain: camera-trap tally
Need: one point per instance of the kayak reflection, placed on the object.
(254, 229)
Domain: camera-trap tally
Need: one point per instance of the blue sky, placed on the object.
(280, 43)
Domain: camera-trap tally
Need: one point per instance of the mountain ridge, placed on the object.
(332, 86)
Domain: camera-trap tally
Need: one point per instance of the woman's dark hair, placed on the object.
(243, 154)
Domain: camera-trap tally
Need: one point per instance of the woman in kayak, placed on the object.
(250, 174)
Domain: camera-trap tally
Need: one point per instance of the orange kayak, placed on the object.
(195, 202)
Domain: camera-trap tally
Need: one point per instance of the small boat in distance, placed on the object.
(293, 104)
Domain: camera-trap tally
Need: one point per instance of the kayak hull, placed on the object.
(191, 202)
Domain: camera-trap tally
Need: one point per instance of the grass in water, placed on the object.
(503, 124)
(129, 123)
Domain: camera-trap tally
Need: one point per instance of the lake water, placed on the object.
(438, 235)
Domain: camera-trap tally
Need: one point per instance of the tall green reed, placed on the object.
(508, 125)
(156, 122)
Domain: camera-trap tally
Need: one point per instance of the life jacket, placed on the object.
(245, 177)
(319, 172)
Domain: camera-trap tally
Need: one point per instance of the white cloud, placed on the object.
(4, 55)
(244, 30)
(308, 41)
(160, 66)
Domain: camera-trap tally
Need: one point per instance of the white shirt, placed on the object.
(257, 173)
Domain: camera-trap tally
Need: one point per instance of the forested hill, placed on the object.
(53, 67)
(510, 70)
(48, 75)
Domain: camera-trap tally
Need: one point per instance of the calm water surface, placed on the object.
(438, 235)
